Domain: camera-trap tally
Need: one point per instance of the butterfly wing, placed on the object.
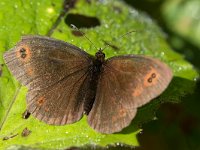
(55, 73)
(126, 83)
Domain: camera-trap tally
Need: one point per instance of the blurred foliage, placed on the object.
(178, 126)
(180, 20)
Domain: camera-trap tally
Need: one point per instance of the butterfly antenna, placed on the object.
(120, 37)
(75, 28)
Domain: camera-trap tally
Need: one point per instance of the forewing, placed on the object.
(126, 83)
(47, 61)
(55, 73)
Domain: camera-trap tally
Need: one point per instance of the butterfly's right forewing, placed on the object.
(56, 74)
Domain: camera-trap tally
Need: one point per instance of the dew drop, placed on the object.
(60, 144)
(16, 6)
(196, 78)
(133, 12)
(3, 27)
(97, 140)
(141, 132)
(47, 131)
(106, 25)
(180, 68)
(155, 118)
(162, 54)
(2, 3)
(50, 10)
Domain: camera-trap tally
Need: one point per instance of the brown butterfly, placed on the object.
(64, 82)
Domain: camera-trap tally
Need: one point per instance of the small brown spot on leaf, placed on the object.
(26, 132)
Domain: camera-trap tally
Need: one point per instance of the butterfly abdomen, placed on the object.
(94, 72)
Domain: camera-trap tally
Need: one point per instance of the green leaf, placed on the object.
(22, 17)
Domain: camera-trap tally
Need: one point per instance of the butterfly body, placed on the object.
(64, 82)
(94, 72)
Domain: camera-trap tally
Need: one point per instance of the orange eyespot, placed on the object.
(137, 91)
(40, 101)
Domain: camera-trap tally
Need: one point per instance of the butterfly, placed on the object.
(64, 83)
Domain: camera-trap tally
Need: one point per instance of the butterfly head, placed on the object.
(100, 56)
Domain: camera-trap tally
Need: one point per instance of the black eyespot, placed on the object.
(153, 75)
(149, 80)
(23, 55)
(22, 50)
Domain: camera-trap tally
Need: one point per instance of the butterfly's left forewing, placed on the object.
(126, 83)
